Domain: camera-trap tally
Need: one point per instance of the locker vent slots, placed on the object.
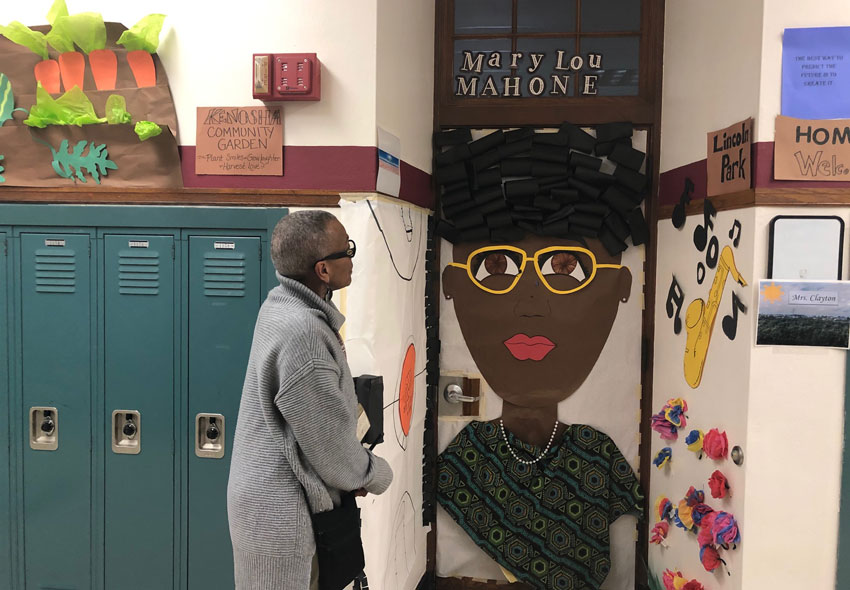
(224, 274)
(138, 272)
(55, 270)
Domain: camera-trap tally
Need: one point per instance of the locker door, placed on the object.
(139, 394)
(5, 403)
(56, 372)
(224, 297)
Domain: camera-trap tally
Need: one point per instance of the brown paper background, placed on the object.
(152, 163)
(713, 161)
(209, 145)
(788, 153)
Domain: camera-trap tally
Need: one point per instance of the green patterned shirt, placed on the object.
(546, 523)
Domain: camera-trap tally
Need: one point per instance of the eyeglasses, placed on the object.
(562, 269)
(347, 253)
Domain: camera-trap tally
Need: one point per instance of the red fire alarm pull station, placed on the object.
(287, 76)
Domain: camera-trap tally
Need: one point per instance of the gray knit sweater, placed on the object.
(295, 434)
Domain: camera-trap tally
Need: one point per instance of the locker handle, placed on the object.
(212, 431)
(129, 428)
(47, 424)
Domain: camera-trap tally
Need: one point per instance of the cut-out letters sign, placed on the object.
(728, 162)
(811, 149)
(239, 141)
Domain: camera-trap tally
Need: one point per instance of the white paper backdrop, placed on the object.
(385, 316)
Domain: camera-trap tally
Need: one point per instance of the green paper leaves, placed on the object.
(147, 129)
(59, 35)
(1, 170)
(116, 110)
(144, 34)
(85, 29)
(72, 108)
(23, 35)
(7, 100)
(58, 9)
(96, 162)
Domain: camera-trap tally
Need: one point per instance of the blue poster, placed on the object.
(816, 73)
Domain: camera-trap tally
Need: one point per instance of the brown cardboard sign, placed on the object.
(239, 141)
(729, 159)
(811, 149)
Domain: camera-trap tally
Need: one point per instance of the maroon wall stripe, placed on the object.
(416, 186)
(672, 182)
(335, 168)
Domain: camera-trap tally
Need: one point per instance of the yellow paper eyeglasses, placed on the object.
(562, 269)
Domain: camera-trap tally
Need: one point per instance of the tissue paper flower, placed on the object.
(705, 536)
(694, 496)
(694, 441)
(724, 529)
(718, 484)
(715, 444)
(683, 516)
(663, 508)
(663, 427)
(699, 511)
(675, 410)
(693, 585)
(669, 579)
(709, 557)
(659, 532)
(670, 419)
(662, 457)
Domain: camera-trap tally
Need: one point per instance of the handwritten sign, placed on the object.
(816, 72)
(239, 141)
(729, 161)
(811, 149)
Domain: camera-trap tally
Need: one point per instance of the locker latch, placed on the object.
(44, 428)
(126, 432)
(209, 436)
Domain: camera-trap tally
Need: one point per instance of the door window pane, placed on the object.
(620, 63)
(546, 69)
(546, 16)
(467, 53)
(482, 16)
(610, 15)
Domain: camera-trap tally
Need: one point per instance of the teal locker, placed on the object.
(139, 387)
(224, 296)
(56, 353)
(5, 408)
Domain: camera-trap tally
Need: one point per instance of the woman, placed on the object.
(537, 495)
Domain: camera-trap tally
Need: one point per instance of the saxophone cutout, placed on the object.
(700, 316)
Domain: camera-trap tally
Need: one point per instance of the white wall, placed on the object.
(794, 450)
(406, 76)
(206, 50)
(779, 15)
(720, 400)
(712, 54)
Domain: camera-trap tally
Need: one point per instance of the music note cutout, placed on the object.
(678, 217)
(677, 297)
(701, 231)
(736, 238)
(730, 322)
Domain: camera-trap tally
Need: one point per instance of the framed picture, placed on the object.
(806, 247)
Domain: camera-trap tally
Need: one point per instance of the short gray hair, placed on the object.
(298, 241)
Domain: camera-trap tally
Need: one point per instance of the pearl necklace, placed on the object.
(543, 454)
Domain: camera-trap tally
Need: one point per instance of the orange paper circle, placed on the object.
(405, 389)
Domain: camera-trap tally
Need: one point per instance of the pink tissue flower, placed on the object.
(693, 585)
(705, 536)
(709, 557)
(659, 532)
(718, 484)
(668, 578)
(715, 444)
